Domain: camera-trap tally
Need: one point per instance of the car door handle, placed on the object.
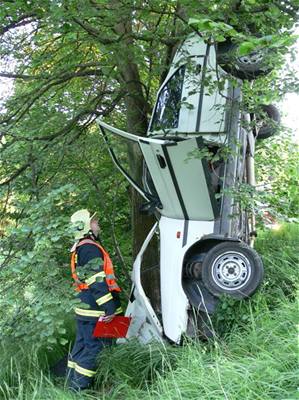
(161, 161)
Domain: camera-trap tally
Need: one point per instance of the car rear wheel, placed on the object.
(269, 128)
(232, 268)
(248, 66)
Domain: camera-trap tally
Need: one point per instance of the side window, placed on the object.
(168, 105)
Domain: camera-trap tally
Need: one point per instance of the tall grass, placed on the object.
(259, 364)
(254, 357)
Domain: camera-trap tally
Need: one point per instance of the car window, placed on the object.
(124, 148)
(123, 152)
(168, 105)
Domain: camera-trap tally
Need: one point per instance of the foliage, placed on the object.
(29, 310)
(248, 366)
(152, 360)
(277, 175)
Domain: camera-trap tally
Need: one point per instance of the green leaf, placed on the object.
(52, 340)
(246, 48)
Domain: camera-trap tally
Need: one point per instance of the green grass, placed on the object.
(254, 357)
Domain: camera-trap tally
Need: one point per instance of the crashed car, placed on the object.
(198, 152)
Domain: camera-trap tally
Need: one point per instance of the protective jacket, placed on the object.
(94, 279)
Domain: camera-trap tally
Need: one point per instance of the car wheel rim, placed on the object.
(231, 271)
(251, 59)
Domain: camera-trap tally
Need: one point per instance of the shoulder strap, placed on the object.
(88, 241)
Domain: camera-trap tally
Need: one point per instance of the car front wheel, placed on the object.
(232, 268)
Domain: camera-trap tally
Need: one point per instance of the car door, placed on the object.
(178, 171)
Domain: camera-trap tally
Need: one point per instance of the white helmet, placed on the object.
(81, 223)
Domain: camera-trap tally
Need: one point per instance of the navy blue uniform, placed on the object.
(96, 301)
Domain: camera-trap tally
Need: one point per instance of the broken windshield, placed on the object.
(168, 105)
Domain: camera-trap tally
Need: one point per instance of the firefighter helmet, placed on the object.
(81, 223)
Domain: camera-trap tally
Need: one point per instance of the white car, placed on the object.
(205, 238)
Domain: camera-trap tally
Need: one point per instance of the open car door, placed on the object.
(178, 180)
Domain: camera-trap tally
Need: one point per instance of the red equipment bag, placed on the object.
(117, 328)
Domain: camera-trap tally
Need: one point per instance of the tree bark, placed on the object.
(137, 123)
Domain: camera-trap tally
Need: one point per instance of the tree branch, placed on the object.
(21, 21)
(34, 95)
(62, 132)
(95, 32)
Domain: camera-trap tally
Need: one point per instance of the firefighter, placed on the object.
(94, 279)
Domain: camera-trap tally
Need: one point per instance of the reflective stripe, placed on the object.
(112, 287)
(110, 276)
(93, 278)
(108, 266)
(84, 371)
(71, 364)
(104, 299)
(118, 310)
(89, 313)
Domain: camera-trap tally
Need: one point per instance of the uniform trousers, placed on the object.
(82, 360)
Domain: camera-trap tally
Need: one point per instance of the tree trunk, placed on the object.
(137, 123)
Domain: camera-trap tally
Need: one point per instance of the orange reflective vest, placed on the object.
(108, 268)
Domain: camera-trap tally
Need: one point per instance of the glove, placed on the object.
(108, 318)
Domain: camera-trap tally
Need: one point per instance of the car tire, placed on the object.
(232, 268)
(269, 129)
(247, 67)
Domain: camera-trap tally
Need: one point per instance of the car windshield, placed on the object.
(168, 105)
